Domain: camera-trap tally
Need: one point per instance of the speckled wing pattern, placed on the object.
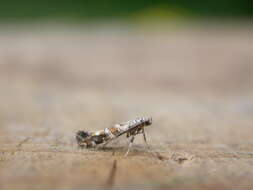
(131, 128)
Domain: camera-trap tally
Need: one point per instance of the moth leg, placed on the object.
(81, 146)
(145, 139)
(96, 147)
(106, 143)
(129, 146)
(144, 136)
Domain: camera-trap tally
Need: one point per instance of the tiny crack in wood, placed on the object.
(111, 179)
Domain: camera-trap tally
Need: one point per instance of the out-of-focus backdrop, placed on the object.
(71, 65)
(112, 9)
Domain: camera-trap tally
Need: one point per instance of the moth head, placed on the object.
(148, 121)
(82, 137)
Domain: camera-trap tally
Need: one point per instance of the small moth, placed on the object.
(130, 128)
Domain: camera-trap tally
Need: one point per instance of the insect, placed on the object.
(103, 137)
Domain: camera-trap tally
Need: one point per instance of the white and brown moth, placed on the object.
(103, 137)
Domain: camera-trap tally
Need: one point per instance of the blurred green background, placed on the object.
(123, 9)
